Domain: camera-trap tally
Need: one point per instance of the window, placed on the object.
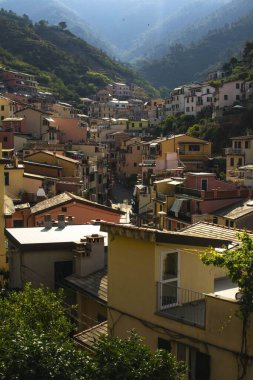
(240, 161)
(181, 352)
(6, 179)
(2, 108)
(232, 223)
(194, 148)
(237, 97)
(64, 209)
(18, 223)
(204, 184)
(225, 97)
(237, 85)
(62, 269)
(232, 161)
(5, 139)
(197, 362)
(101, 318)
(246, 144)
(163, 344)
(227, 223)
(135, 164)
(215, 220)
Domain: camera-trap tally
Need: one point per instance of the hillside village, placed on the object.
(128, 263)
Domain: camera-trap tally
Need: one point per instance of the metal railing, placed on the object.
(187, 191)
(184, 305)
(234, 151)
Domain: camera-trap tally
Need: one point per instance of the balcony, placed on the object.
(148, 163)
(183, 305)
(184, 216)
(188, 191)
(235, 151)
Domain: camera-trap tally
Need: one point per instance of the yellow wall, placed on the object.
(134, 269)
(8, 108)
(69, 168)
(2, 221)
(88, 310)
(171, 145)
(133, 125)
(15, 181)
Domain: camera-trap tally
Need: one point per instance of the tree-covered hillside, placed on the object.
(189, 24)
(62, 62)
(186, 64)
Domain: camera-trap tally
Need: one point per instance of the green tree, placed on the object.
(35, 343)
(62, 25)
(130, 359)
(239, 265)
(34, 338)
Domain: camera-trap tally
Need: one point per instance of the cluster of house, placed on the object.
(191, 99)
(57, 167)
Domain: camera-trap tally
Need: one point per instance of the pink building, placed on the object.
(202, 193)
(70, 129)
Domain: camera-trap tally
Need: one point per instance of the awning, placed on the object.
(177, 205)
(175, 183)
(49, 119)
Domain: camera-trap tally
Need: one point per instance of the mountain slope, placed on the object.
(186, 64)
(61, 60)
(120, 22)
(188, 24)
(55, 11)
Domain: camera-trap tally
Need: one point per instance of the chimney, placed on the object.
(70, 220)
(47, 221)
(89, 255)
(61, 220)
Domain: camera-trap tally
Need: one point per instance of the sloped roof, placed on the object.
(236, 210)
(94, 284)
(67, 197)
(212, 231)
(59, 156)
(88, 337)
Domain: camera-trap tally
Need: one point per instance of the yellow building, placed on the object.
(70, 167)
(63, 110)
(13, 179)
(240, 154)
(130, 156)
(158, 285)
(137, 125)
(2, 221)
(192, 152)
(7, 108)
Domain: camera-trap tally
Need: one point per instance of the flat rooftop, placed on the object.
(41, 235)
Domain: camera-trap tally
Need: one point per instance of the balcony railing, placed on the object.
(187, 191)
(184, 305)
(235, 151)
(148, 163)
(193, 153)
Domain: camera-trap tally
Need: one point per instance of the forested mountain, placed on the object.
(118, 26)
(55, 11)
(61, 61)
(186, 64)
(188, 24)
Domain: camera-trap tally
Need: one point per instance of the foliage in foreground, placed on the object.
(239, 265)
(35, 344)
